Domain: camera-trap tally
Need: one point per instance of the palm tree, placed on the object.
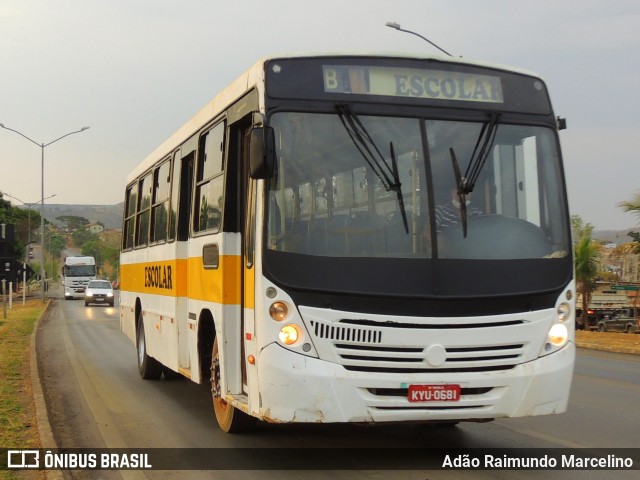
(633, 206)
(585, 259)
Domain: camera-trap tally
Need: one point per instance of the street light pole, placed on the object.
(42, 147)
(397, 27)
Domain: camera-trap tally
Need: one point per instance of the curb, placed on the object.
(47, 440)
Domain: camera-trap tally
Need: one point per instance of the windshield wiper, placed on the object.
(465, 185)
(480, 154)
(387, 174)
(462, 195)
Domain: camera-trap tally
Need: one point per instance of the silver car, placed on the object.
(622, 320)
(99, 292)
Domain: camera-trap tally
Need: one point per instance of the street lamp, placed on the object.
(397, 27)
(42, 146)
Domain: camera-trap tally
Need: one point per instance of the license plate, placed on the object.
(434, 393)
(99, 299)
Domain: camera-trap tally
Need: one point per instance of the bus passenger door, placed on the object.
(239, 203)
(248, 227)
(181, 207)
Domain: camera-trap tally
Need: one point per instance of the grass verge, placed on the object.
(609, 341)
(18, 427)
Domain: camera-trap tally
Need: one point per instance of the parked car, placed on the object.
(593, 317)
(98, 291)
(621, 320)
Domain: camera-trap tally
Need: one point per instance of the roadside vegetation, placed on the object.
(585, 259)
(617, 342)
(18, 427)
(68, 232)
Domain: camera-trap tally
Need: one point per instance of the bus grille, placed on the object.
(349, 334)
(364, 348)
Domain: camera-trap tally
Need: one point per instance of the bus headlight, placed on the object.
(558, 335)
(289, 334)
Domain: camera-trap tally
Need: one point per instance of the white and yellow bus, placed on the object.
(349, 238)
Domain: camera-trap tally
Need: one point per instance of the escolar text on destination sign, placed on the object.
(453, 88)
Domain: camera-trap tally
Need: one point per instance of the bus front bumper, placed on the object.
(297, 388)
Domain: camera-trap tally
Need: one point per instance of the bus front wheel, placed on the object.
(230, 419)
(149, 367)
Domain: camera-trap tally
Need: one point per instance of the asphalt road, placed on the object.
(96, 398)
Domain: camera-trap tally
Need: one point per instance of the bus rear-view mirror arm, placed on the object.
(261, 152)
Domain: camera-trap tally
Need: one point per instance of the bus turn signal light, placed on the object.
(278, 311)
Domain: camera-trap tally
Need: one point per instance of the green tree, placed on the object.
(579, 228)
(633, 206)
(106, 255)
(82, 236)
(57, 244)
(585, 258)
(25, 221)
(72, 222)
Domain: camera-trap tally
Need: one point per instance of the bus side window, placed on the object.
(183, 197)
(144, 211)
(160, 209)
(210, 181)
(174, 196)
(129, 221)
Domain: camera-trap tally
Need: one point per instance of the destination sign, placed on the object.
(412, 82)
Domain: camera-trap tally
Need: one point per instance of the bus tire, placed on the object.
(230, 419)
(170, 374)
(444, 423)
(149, 367)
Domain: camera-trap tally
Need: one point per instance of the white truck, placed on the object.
(76, 274)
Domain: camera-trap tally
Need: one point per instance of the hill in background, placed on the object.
(614, 236)
(109, 215)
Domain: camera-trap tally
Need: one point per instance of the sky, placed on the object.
(135, 70)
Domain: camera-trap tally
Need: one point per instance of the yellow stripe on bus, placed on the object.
(189, 278)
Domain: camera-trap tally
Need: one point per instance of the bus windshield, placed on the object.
(329, 200)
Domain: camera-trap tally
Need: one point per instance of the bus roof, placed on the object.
(254, 77)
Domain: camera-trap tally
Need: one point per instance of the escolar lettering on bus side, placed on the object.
(158, 276)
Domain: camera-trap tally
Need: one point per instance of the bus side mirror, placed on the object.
(261, 152)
